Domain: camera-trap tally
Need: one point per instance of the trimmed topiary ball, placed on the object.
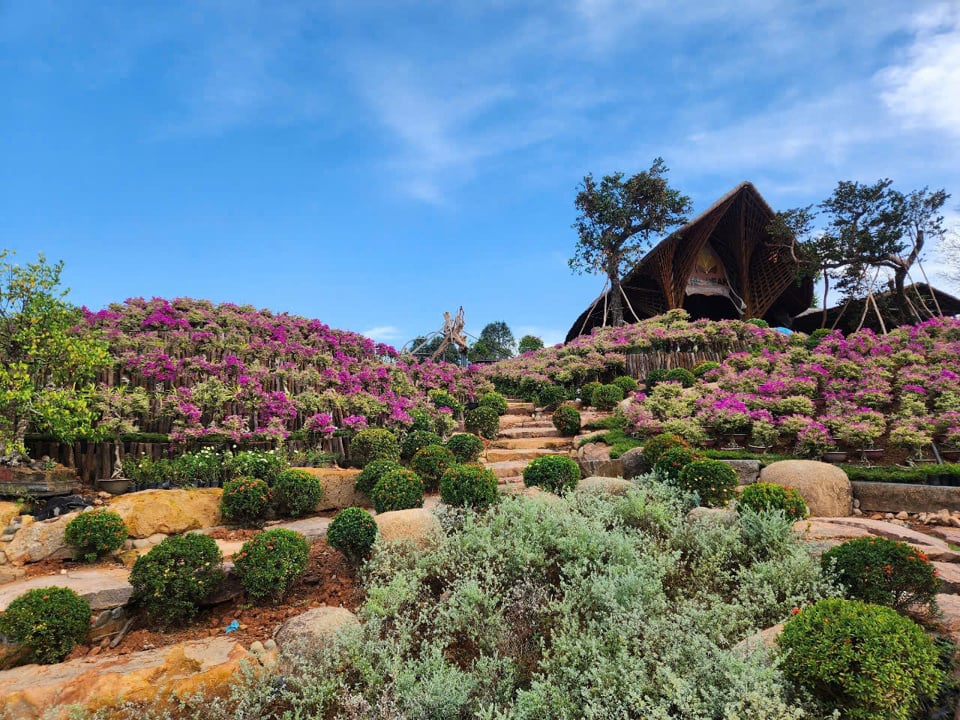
(671, 462)
(469, 486)
(682, 376)
(373, 444)
(626, 383)
(268, 563)
(586, 393)
(554, 473)
(430, 463)
(172, 579)
(550, 396)
(714, 481)
(48, 621)
(297, 492)
(883, 571)
(658, 445)
(764, 497)
(417, 439)
(371, 474)
(654, 376)
(483, 421)
(397, 490)
(443, 398)
(606, 397)
(466, 448)
(566, 420)
(95, 533)
(703, 368)
(353, 532)
(494, 400)
(864, 660)
(246, 501)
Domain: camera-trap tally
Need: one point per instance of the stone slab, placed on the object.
(949, 575)
(529, 432)
(311, 528)
(338, 490)
(747, 470)
(103, 588)
(897, 497)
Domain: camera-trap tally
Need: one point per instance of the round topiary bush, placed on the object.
(397, 490)
(626, 383)
(671, 462)
(483, 421)
(469, 486)
(703, 368)
(416, 440)
(714, 481)
(175, 576)
(48, 621)
(566, 420)
(606, 397)
(353, 532)
(443, 398)
(885, 572)
(658, 445)
(466, 448)
(268, 563)
(586, 393)
(430, 463)
(372, 472)
(494, 400)
(764, 497)
(864, 660)
(95, 533)
(246, 501)
(759, 322)
(373, 444)
(296, 493)
(654, 376)
(263, 464)
(550, 396)
(682, 376)
(554, 473)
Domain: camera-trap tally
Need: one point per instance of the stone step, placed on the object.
(103, 588)
(529, 432)
(518, 421)
(516, 406)
(507, 468)
(556, 443)
(503, 454)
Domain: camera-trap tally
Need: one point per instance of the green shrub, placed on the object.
(175, 576)
(658, 445)
(554, 473)
(626, 383)
(885, 572)
(96, 533)
(764, 497)
(372, 472)
(586, 392)
(494, 400)
(47, 621)
(759, 322)
(703, 368)
(421, 421)
(263, 464)
(353, 532)
(550, 396)
(430, 463)
(813, 340)
(397, 490)
(466, 448)
(245, 500)
(469, 486)
(655, 376)
(606, 397)
(566, 420)
(373, 444)
(713, 480)
(671, 462)
(442, 398)
(682, 376)
(268, 563)
(864, 660)
(203, 468)
(297, 492)
(417, 439)
(483, 421)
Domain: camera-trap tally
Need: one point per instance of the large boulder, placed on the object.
(338, 491)
(825, 488)
(168, 511)
(308, 631)
(609, 485)
(747, 470)
(632, 462)
(594, 460)
(36, 541)
(416, 525)
(8, 511)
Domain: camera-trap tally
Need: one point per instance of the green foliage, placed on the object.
(206, 467)
(495, 343)
(465, 447)
(865, 660)
(626, 383)
(759, 322)
(245, 500)
(96, 533)
(483, 421)
(586, 392)
(703, 368)
(296, 493)
(48, 621)
(372, 472)
(885, 572)
(469, 486)
(397, 490)
(606, 397)
(353, 532)
(373, 444)
(714, 481)
(655, 376)
(813, 340)
(529, 343)
(421, 421)
(265, 465)
(414, 440)
(658, 445)
(682, 376)
(443, 398)
(430, 463)
(948, 474)
(268, 563)
(175, 576)
(550, 396)
(766, 497)
(566, 420)
(494, 400)
(672, 461)
(553, 473)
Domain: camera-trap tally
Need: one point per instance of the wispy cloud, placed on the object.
(383, 333)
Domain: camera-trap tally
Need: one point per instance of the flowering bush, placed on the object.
(47, 621)
(372, 472)
(268, 563)
(417, 439)
(655, 447)
(496, 401)
(714, 481)
(96, 533)
(672, 461)
(763, 497)
(566, 420)
(245, 501)
(265, 465)
(397, 490)
(813, 439)
(680, 375)
(606, 397)
(626, 383)
(550, 396)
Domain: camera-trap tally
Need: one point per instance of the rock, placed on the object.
(8, 512)
(816, 529)
(765, 639)
(949, 618)
(416, 525)
(951, 535)
(40, 540)
(825, 488)
(306, 633)
(613, 486)
(949, 575)
(93, 683)
(10, 574)
(169, 512)
(912, 498)
(338, 492)
(312, 528)
(594, 460)
(747, 470)
(934, 548)
(632, 462)
(722, 517)
(103, 588)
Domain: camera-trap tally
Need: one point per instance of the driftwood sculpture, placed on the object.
(451, 335)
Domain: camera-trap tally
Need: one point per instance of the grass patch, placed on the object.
(948, 474)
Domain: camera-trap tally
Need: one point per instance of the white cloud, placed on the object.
(550, 336)
(383, 333)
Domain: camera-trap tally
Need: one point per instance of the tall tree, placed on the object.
(529, 343)
(495, 343)
(620, 219)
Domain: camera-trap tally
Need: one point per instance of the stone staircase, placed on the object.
(525, 434)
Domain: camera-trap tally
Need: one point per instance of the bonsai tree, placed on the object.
(119, 408)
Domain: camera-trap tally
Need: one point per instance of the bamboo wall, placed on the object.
(639, 364)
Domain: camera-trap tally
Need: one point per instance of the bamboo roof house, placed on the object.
(723, 264)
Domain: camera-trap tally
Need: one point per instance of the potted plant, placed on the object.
(908, 435)
(119, 408)
(764, 435)
(951, 453)
(861, 435)
(814, 440)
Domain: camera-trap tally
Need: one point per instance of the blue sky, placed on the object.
(373, 163)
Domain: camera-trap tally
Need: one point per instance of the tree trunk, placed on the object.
(616, 301)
